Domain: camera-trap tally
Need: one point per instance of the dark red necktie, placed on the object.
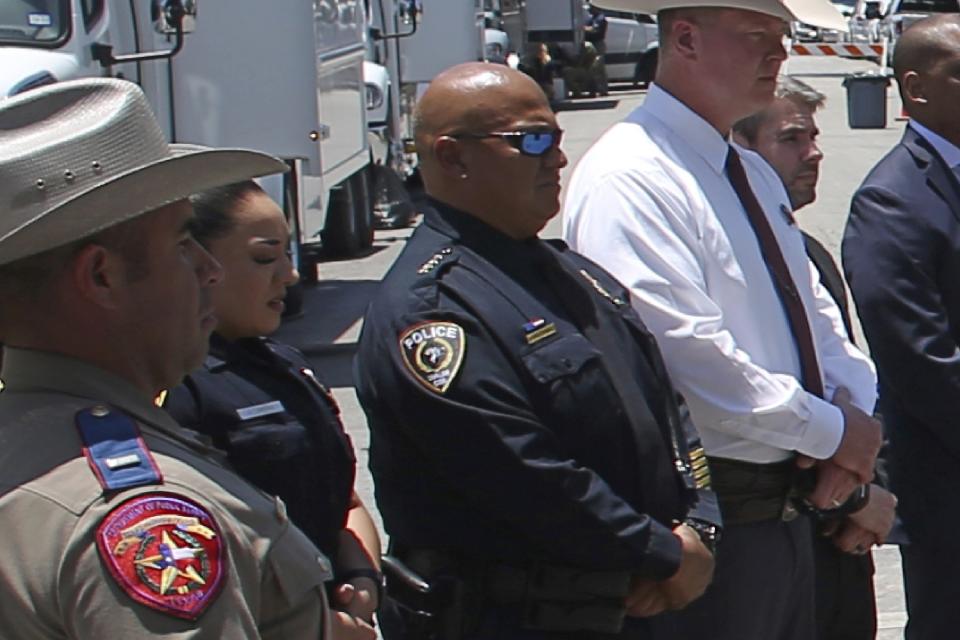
(780, 274)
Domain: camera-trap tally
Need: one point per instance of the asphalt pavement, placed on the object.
(330, 326)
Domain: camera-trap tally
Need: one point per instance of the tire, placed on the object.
(646, 69)
(349, 226)
(392, 205)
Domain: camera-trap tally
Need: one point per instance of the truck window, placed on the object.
(92, 10)
(929, 6)
(39, 23)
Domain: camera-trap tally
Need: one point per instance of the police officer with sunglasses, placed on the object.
(537, 473)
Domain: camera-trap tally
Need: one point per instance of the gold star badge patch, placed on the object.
(433, 352)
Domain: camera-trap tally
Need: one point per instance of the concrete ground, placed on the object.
(329, 329)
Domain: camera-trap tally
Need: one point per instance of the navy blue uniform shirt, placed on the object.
(497, 431)
(260, 401)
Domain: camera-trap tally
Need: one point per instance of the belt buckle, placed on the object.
(790, 511)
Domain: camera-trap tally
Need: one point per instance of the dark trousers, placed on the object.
(846, 606)
(762, 588)
(930, 583)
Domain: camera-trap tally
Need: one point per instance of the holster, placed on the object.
(428, 609)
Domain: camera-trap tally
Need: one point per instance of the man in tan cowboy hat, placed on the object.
(116, 522)
(702, 233)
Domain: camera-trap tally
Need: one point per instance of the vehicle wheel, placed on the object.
(646, 69)
(392, 206)
(349, 226)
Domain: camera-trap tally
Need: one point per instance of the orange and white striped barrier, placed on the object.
(840, 49)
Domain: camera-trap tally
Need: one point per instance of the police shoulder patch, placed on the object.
(433, 352)
(165, 551)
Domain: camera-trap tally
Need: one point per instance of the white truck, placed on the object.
(413, 41)
(286, 78)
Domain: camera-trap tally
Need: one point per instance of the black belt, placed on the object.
(552, 597)
(749, 492)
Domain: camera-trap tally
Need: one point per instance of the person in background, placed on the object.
(701, 233)
(118, 523)
(785, 135)
(901, 254)
(261, 402)
(595, 33)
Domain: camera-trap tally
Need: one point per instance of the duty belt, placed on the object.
(750, 492)
(551, 597)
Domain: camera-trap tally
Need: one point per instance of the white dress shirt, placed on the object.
(651, 202)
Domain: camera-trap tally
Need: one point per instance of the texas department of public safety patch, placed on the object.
(433, 352)
(165, 551)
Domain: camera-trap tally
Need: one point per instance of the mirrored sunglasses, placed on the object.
(529, 143)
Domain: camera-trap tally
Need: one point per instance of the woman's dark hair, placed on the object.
(213, 210)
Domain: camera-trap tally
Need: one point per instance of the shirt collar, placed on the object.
(947, 150)
(688, 125)
(30, 370)
(473, 232)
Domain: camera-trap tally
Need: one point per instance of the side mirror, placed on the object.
(171, 16)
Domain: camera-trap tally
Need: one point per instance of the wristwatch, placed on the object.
(709, 533)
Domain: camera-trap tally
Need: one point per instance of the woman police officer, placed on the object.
(260, 401)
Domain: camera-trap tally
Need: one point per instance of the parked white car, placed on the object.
(632, 42)
(903, 13)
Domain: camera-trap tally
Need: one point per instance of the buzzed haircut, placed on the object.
(666, 18)
(790, 88)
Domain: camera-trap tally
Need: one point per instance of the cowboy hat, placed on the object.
(82, 156)
(819, 13)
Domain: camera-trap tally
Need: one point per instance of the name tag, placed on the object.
(260, 410)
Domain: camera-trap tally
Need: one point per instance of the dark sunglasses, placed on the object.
(529, 143)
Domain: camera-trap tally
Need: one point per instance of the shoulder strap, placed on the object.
(116, 452)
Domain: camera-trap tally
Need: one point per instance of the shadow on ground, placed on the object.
(330, 309)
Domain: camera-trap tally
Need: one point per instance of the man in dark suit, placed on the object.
(785, 134)
(901, 252)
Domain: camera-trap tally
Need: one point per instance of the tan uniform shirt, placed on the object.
(54, 583)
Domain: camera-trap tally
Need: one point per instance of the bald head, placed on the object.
(926, 42)
(472, 97)
(926, 63)
(471, 126)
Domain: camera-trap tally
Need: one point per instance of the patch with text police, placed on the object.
(433, 352)
(165, 552)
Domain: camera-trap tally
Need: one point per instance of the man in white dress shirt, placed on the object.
(703, 235)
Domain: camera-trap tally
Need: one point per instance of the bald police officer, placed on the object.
(531, 458)
(116, 522)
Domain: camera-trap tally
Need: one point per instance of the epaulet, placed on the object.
(115, 450)
(212, 363)
(435, 261)
(557, 243)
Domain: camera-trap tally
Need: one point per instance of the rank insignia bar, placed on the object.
(165, 552)
(433, 353)
(701, 470)
(538, 329)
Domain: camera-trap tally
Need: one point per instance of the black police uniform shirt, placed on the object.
(496, 431)
(262, 404)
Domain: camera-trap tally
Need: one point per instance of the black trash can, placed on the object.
(867, 100)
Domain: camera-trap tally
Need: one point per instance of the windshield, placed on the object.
(929, 6)
(33, 22)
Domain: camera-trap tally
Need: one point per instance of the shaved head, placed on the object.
(470, 97)
(925, 42)
(927, 65)
(465, 127)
